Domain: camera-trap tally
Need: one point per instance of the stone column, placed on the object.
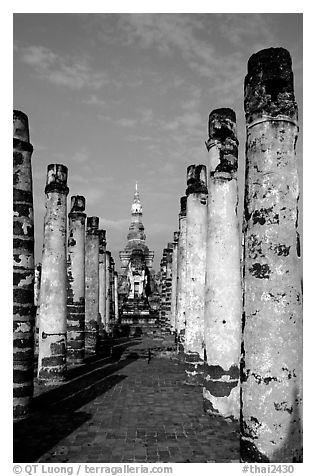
(169, 251)
(37, 284)
(107, 291)
(112, 265)
(102, 278)
(181, 275)
(223, 293)
(53, 301)
(195, 277)
(76, 281)
(272, 325)
(174, 282)
(116, 308)
(92, 285)
(37, 293)
(23, 267)
(163, 272)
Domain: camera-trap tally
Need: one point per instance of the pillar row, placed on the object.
(107, 291)
(181, 275)
(195, 271)
(223, 293)
(23, 267)
(116, 305)
(76, 281)
(53, 300)
(174, 282)
(272, 323)
(102, 277)
(92, 285)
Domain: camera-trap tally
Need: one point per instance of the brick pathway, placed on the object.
(125, 410)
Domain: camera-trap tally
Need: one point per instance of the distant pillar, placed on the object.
(181, 275)
(53, 300)
(37, 294)
(163, 274)
(223, 293)
(116, 304)
(174, 282)
(195, 277)
(111, 293)
(92, 285)
(272, 326)
(23, 267)
(107, 291)
(168, 285)
(102, 278)
(76, 281)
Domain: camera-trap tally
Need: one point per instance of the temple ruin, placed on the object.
(228, 290)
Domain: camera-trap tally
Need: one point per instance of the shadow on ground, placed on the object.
(53, 414)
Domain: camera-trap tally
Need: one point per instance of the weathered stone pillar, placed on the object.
(195, 274)
(169, 252)
(53, 300)
(181, 274)
(223, 293)
(92, 285)
(76, 281)
(163, 272)
(107, 291)
(102, 278)
(23, 267)
(174, 282)
(37, 293)
(112, 265)
(272, 325)
(37, 284)
(116, 308)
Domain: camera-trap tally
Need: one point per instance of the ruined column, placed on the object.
(53, 300)
(37, 292)
(102, 278)
(76, 281)
(195, 273)
(92, 285)
(107, 291)
(223, 293)
(181, 275)
(163, 273)
(23, 267)
(272, 325)
(168, 289)
(116, 308)
(112, 312)
(174, 282)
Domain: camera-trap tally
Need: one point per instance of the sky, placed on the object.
(120, 98)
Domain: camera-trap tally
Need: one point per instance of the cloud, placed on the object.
(126, 122)
(61, 70)
(241, 29)
(121, 225)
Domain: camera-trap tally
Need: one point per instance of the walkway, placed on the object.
(124, 409)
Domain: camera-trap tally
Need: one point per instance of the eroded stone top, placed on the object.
(102, 238)
(56, 180)
(196, 179)
(269, 88)
(20, 126)
(176, 236)
(78, 203)
(93, 222)
(183, 206)
(223, 133)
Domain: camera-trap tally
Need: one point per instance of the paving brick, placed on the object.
(131, 412)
